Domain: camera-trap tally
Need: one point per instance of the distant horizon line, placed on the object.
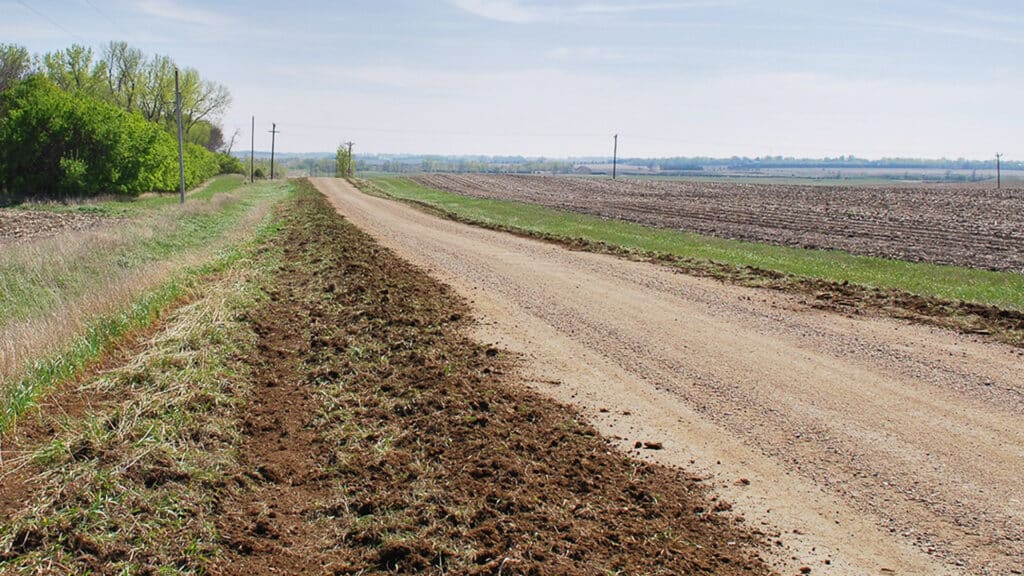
(776, 157)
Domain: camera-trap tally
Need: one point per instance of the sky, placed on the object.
(803, 78)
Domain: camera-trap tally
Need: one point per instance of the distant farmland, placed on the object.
(974, 227)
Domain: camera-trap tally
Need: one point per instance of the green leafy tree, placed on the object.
(73, 70)
(230, 165)
(155, 100)
(15, 65)
(343, 162)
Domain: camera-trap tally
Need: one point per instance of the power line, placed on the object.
(444, 132)
(104, 14)
(51, 21)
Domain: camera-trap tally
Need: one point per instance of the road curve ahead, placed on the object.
(871, 446)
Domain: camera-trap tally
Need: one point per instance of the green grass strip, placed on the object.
(101, 334)
(1000, 289)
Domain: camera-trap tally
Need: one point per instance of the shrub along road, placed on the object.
(872, 444)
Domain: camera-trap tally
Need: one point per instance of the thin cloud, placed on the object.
(627, 7)
(584, 53)
(968, 32)
(508, 11)
(179, 12)
(515, 12)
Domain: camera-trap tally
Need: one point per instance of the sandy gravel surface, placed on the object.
(871, 446)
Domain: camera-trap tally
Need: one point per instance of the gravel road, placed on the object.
(865, 445)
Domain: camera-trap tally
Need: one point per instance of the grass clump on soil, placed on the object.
(971, 300)
(64, 300)
(386, 441)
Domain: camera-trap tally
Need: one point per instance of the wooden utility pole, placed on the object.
(351, 161)
(615, 156)
(273, 138)
(181, 145)
(252, 151)
(999, 175)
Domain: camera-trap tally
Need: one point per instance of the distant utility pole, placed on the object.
(252, 150)
(273, 137)
(181, 150)
(999, 175)
(615, 156)
(351, 161)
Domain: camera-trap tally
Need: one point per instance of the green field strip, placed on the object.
(999, 289)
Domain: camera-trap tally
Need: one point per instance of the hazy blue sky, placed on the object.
(701, 77)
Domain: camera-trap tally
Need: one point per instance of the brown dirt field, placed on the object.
(981, 228)
(22, 225)
(878, 445)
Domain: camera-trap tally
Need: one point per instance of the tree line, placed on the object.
(74, 123)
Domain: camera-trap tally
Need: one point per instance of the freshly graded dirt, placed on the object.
(381, 439)
(871, 445)
(23, 225)
(970, 226)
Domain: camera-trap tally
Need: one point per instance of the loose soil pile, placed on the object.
(22, 225)
(345, 424)
(964, 227)
(384, 440)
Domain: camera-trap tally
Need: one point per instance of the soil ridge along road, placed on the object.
(872, 445)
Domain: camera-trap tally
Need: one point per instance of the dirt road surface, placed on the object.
(870, 445)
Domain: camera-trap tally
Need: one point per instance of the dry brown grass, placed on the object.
(53, 289)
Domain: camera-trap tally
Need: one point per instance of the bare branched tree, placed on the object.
(123, 68)
(201, 99)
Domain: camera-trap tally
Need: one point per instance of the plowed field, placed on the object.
(964, 227)
(21, 225)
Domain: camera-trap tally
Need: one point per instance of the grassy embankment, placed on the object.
(64, 300)
(319, 409)
(745, 262)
